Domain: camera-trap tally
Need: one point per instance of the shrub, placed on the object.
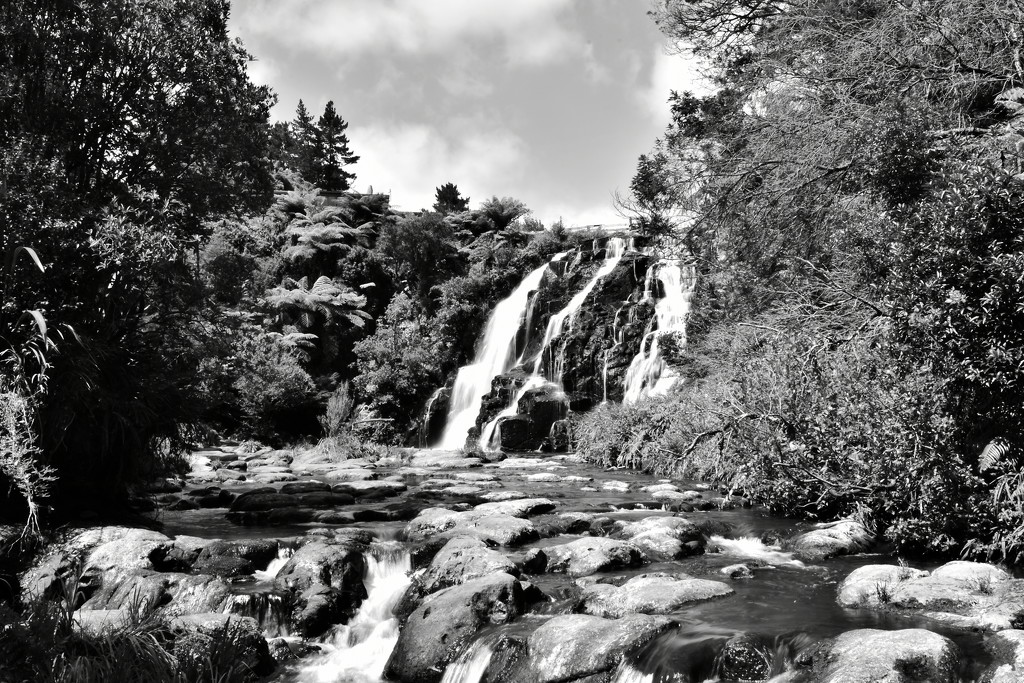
(271, 385)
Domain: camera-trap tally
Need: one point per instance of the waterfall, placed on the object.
(268, 609)
(495, 357)
(615, 249)
(284, 553)
(648, 374)
(359, 650)
(471, 665)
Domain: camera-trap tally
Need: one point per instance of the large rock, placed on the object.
(488, 527)
(664, 538)
(587, 556)
(147, 590)
(196, 593)
(649, 594)
(463, 559)
(873, 656)
(845, 537)
(969, 595)
(437, 631)
(1007, 650)
(522, 507)
(326, 583)
(235, 558)
(215, 643)
(746, 657)
(576, 646)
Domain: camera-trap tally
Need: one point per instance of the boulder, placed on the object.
(144, 591)
(438, 630)
(1007, 650)
(845, 537)
(94, 622)
(576, 647)
(463, 559)
(745, 657)
(376, 488)
(664, 538)
(523, 507)
(649, 594)
(587, 556)
(215, 643)
(258, 553)
(196, 593)
(872, 656)
(489, 527)
(326, 583)
(966, 595)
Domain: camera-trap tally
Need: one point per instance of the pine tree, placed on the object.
(448, 200)
(306, 139)
(333, 152)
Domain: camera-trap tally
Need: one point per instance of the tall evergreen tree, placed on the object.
(448, 200)
(306, 142)
(333, 152)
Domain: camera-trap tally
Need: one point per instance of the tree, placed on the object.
(448, 200)
(503, 212)
(333, 153)
(305, 144)
(421, 251)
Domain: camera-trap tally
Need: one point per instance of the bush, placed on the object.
(272, 387)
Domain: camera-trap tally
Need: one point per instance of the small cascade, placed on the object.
(471, 665)
(627, 673)
(268, 609)
(487, 433)
(284, 553)
(359, 650)
(648, 374)
(428, 414)
(496, 355)
(750, 548)
(604, 376)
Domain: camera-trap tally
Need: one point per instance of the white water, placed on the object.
(614, 251)
(750, 548)
(495, 357)
(648, 374)
(284, 553)
(627, 673)
(359, 650)
(471, 665)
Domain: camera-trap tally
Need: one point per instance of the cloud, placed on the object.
(668, 73)
(529, 32)
(411, 160)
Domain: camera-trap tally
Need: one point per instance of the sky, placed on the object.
(547, 101)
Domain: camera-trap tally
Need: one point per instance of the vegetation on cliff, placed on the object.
(851, 192)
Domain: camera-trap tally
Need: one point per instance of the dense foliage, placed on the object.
(851, 191)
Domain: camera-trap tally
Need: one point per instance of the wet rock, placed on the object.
(523, 507)
(535, 561)
(619, 486)
(489, 527)
(497, 496)
(225, 565)
(234, 558)
(649, 594)
(196, 593)
(587, 556)
(463, 559)
(737, 571)
(326, 583)
(217, 642)
(745, 657)
(1007, 650)
(437, 631)
(94, 622)
(141, 591)
(579, 647)
(845, 537)
(664, 538)
(903, 656)
(544, 477)
(968, 595)
(360, 489)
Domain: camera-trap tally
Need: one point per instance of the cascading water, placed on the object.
(360, 650)
(647, 374)
(471, 665)
(496, 356)
(615, 249)
(284, 553)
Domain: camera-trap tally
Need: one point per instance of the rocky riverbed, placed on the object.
(432, 565)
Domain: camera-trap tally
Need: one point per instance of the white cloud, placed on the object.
(411, 160)
(668, 73)
(528, 31)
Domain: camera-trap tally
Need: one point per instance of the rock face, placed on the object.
(463, 559)
(845, 537)
(872, 656)
(588, 556)
(574, 647)
(437, 631)
(649, 594)
(968, 595)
